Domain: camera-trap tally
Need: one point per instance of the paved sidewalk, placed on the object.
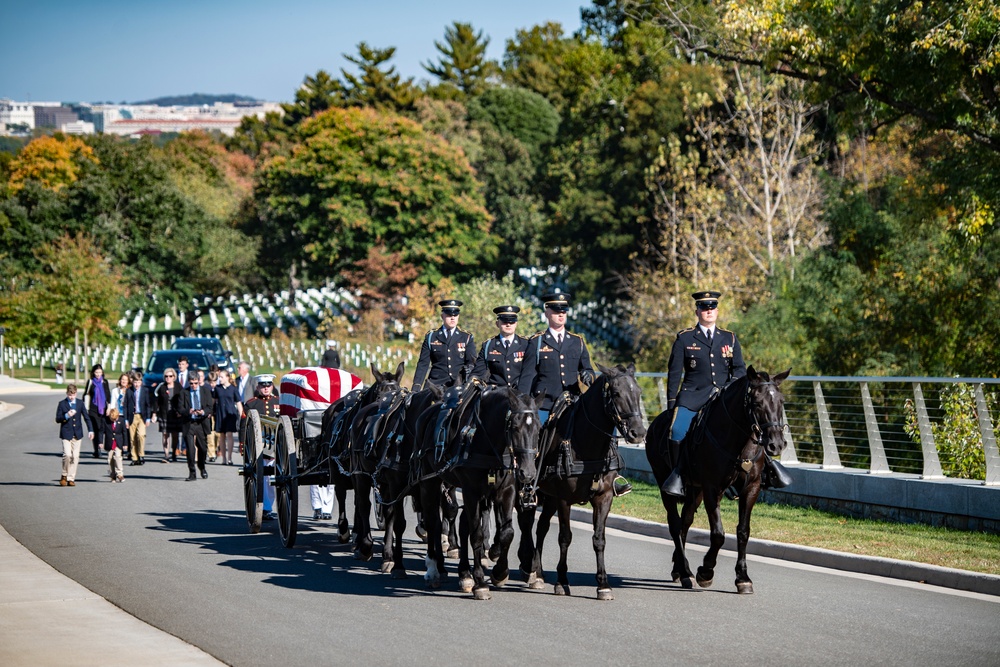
(9, 385)
(47, 618)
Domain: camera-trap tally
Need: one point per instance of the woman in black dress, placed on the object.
(228, 410)
(97, 397)
(167, 395)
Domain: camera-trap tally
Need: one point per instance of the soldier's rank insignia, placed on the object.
(546, 349)
(727, 351)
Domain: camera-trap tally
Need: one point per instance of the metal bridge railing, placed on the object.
(866, 422)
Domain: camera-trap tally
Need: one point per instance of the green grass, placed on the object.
(976, 552)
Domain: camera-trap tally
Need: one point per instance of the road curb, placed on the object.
(933, 575)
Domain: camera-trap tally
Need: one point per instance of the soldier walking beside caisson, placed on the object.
(703, 361)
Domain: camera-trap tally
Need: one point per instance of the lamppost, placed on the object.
(3, 330)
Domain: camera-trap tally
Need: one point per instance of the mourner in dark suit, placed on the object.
(445, 351)
(331, 358)
(97, 396)
(71, 417)
(501, 358)
(703, 360)
(556, 360)
(138, 414)
(196, 405)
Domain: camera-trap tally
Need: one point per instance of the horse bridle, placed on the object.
(611, 409)
(756, 427)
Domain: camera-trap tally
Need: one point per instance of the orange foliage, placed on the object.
(54, 161)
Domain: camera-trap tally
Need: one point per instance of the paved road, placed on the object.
(177, 556)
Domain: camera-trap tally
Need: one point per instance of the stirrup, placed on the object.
(621, 486)
(775, 476)
(674, 485)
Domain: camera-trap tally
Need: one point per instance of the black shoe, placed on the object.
(142, 460)
(192, 478)
(316, 515)
(732, 493)
(270, 516)
(173, 458)
(674, 485)
(326, 517)
(622, 486)
(134, 463)
(204, 474)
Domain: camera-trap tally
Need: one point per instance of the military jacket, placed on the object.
(265, 408)
(498, 365)
(696, 367)
(549, 369)
(441, 360)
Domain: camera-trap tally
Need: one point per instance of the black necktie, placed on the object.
(708, 335)
(506, 344)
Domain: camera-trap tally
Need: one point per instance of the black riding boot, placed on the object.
(674, 484)
(775, 476)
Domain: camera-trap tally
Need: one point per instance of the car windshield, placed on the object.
(159, 362)
(210, 344)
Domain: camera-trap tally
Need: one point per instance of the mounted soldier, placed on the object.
(446, 351)
(501, 358)
(703, 361)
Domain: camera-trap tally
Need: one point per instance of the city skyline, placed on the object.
(116, 51)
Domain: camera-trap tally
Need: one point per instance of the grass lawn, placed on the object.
(976, 552)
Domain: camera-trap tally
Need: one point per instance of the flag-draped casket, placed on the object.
(314, 388)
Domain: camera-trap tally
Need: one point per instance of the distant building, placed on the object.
(54, 116)
(77, 127)
(19, 117)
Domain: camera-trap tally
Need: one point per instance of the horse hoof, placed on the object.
(604, 594)
(705, 577)
(687, 583)
(482, 594)
(559, 589)
(386, 566)
(500, 583)
(344, 538)
(398, 574)
(359, 555)
(675, 577)
(452, 553)
(421, 533)
(704, 583)
(536, 584)
(744, 587)
(465, 584)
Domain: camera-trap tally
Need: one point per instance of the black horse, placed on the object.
(392, 473)
(580, 466)
(725, 447)
(335, 435)
(491, 432)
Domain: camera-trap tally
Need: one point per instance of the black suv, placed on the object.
(222, 356)
(161, 360)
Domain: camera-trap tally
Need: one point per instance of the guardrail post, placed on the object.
(932, 464)
(989, 438)
(878, 465)
(831, 457)
(788, 456)
(661, 390)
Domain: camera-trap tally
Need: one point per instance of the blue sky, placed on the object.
(113, 50)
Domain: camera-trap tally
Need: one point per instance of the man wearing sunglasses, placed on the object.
(703, 360)
(446, 351)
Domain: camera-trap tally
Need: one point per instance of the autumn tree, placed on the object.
(52, 161)
(75, 290)
(358, 178)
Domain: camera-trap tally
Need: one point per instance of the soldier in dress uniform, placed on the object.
(266, 403)
(703, 360)
(500, 358)
(445, 351)
(556, 360)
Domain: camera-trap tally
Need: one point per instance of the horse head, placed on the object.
(623, 401)
(523, 426)
(388, 381)
(765, 409)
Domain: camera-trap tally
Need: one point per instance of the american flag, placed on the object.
(314, 388)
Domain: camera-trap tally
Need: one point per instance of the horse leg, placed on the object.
(430, 500)
(717, 537)
(565, 538)
(474, 504)
(449, 513)
(398, 569)
(602, 507)
(681, 564)
(526, 546)
(343, 525)
(421, 528)
(537, 579)
(503, 505)
(747, 500)
(465, 580)
(363, 541)
(389, 514)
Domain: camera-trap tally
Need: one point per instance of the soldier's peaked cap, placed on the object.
(557, 299)
(706, 295)
(450, 303)
(264, 378)
(506, 310)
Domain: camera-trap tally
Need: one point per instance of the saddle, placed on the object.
(456, 402)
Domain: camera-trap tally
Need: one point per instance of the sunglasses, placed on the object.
(170, 375)
(708, 305)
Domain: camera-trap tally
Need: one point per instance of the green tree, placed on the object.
(463, 66)
(378, 85)
(74, 290)
(521, 113)
(359, 178)
(317, 93)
